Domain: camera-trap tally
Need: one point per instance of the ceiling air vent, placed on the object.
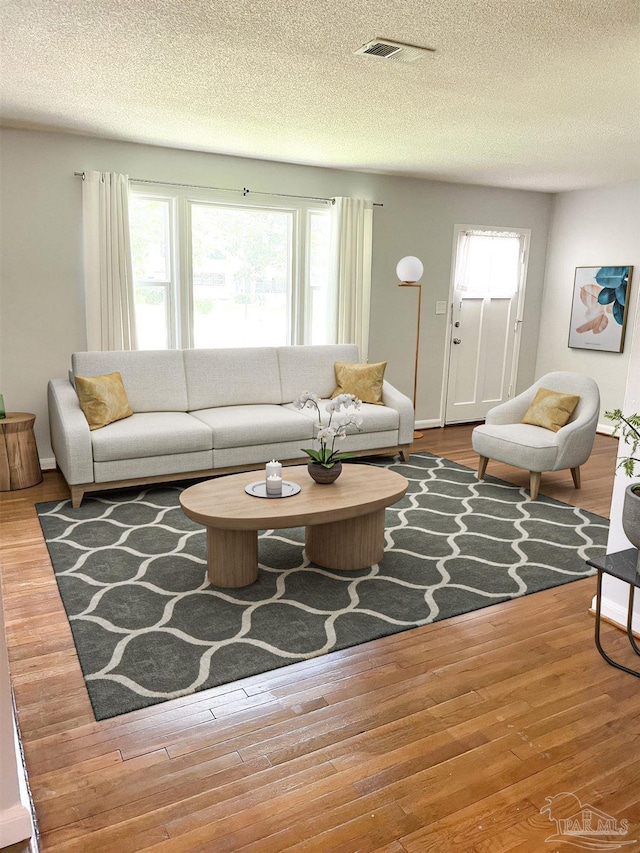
(399, 52)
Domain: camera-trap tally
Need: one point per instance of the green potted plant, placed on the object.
(325, 463)
(628, 426)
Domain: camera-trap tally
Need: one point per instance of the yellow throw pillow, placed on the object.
(550, 409)
(362, 380)
(102, 399)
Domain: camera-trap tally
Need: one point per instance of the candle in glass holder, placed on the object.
(273, 468)
(274, 484)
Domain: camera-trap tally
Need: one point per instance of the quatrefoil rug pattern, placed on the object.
(131, 570)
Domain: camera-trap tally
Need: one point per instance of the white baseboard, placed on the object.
(616, 614)
(15, 825)
(430, 424)
(48, 463)
(605, 429)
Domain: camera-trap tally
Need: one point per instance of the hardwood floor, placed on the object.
(450, 737)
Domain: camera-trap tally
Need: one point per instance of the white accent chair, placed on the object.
(504, 438)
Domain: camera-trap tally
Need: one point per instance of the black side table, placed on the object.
(624, 566)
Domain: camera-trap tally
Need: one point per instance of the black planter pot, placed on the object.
(323, 475)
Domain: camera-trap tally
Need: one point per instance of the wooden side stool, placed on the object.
(19, 463)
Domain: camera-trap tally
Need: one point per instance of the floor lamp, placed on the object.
(409, 270)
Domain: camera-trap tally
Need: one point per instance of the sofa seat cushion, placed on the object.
(374, 418)
(247, 426)
(150, 434)
(534, 447)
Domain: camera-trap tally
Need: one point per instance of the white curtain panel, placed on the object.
(351, 238)
(108, 275)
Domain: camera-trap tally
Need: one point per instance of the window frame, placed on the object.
(331, 318)
(180, 317)
(170, 284)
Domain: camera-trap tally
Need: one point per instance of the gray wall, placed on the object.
(595, 227)
(41, 300)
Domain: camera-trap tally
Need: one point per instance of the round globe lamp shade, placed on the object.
(409, 269)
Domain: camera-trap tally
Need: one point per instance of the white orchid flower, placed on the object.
(326, 433)
(344, 400)
(351, 419)
(307, 399)
(336, 428)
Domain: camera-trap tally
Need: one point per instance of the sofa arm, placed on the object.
(70, 434)
(404, 407)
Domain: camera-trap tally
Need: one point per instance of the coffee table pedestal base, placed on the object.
(354, 543)
(232, 557)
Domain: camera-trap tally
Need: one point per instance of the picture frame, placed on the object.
(599, 308)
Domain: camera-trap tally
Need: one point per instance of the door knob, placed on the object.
(457, 341)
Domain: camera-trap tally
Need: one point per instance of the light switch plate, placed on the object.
(441, 307)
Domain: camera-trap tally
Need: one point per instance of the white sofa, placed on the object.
(206, 412)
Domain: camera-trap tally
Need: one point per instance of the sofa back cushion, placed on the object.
(311, 368)
(235, 376)
(154, 380)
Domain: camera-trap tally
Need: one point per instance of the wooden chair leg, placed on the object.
(575, 473)
(404, 451)
(482, 466)
(534, 484)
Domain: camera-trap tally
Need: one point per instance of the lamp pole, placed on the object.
(409, 271)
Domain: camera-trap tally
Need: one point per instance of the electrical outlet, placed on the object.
(441, 307)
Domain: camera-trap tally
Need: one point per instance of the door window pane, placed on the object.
(241, 276)
(488, 263)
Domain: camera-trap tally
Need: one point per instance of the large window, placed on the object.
(217, 273)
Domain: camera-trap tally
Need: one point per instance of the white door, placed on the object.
(488, 289)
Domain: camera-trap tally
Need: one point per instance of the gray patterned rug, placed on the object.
(148, 627)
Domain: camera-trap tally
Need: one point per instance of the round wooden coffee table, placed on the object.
(344, 521)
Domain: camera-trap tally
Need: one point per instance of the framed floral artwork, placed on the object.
(599, 310)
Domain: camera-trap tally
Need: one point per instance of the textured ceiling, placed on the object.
(537, 94)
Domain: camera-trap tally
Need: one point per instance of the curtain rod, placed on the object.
(245, 191)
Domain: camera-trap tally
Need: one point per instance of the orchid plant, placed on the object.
(343, 413)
